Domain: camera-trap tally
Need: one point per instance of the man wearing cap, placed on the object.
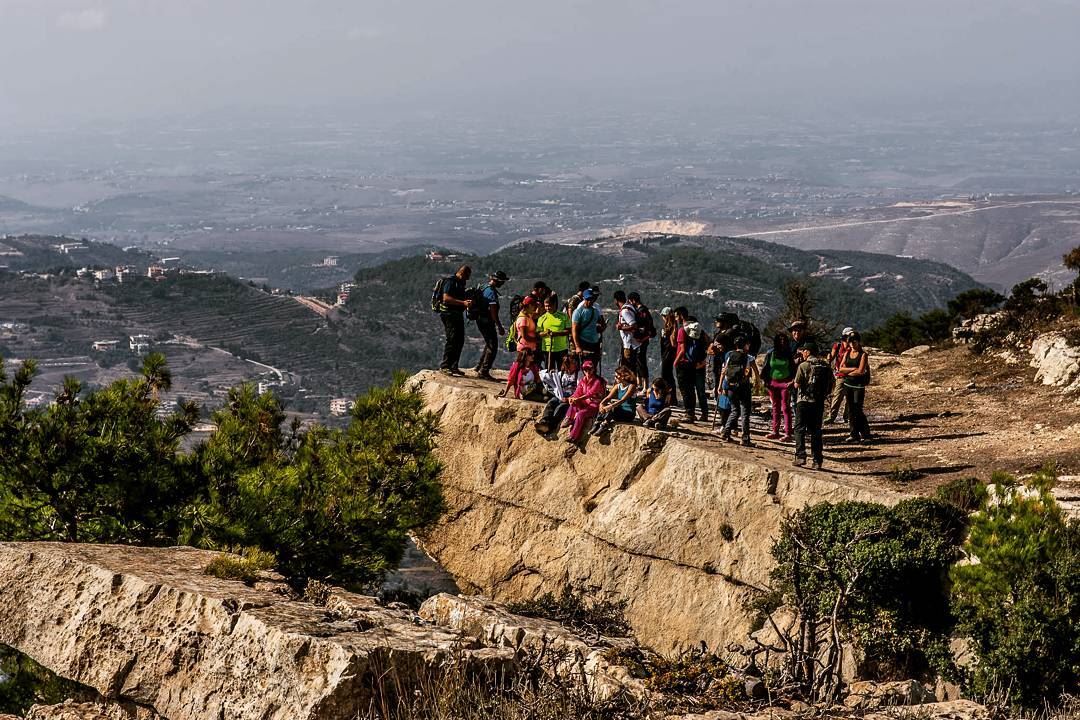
(814, 381)
(799, 337)
(585, 327)
(836, 357)
(489, 324)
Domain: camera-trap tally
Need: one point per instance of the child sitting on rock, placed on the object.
(655, 411)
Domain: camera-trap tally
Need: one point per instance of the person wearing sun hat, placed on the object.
(836, 355)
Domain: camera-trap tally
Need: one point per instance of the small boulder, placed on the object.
(868, 695)
(916, 351)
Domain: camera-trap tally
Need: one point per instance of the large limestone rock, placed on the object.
(679, 529)
(148, 629)
(1057, 361)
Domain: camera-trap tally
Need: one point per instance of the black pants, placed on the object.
(642, 369)
(557, 356)
(454, 322)
(555, 410)
(692, 385)
(491, 344)
(667, 371)
(590, 351)
(858, 425)
(808, 417)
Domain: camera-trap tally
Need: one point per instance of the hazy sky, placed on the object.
(62, 60)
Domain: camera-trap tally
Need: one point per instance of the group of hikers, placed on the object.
(558, 360)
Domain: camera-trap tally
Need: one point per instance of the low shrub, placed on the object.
(1018, 595)
(572, 609)
(246, 566)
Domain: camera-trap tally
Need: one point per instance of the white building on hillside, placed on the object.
(341, 406)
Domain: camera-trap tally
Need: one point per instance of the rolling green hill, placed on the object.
(388, 324)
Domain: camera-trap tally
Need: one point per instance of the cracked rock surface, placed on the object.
(678, 528)
(146, 628)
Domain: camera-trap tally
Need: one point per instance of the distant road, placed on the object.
(932, 216)
(314, 304)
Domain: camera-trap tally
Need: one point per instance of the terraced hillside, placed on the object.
(64, 316)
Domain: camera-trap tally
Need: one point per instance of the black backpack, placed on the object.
(738, 371)
(818, 384)
(646, 328)
(480, 304)
(751, 333)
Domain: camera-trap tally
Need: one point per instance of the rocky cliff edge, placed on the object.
(678, 528)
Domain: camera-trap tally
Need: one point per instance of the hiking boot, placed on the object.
(726, 436)
(773, 436)
(799, 462)
(542, 426)
(785, 439)
(447, 372)
(690, 420)
(829, 420)
(851, 439)
(746, 442)
(649, 423)
(457, 372)
(484, 375)
(816, 466)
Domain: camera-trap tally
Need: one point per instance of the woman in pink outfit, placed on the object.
(778, 372)
(527, 342)
(584, 403)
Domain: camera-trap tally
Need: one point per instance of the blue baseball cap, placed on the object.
(588, 295)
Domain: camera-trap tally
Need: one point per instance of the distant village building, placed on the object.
(139, 344)
(330, 261)
(84, 272)
(156, 271)
(124, 271)
(103, 275)
(340, 406)
(105, 345)
(68, 248)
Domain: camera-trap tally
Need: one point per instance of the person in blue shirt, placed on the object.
(655, 411)
(489, 324)
(586, 327)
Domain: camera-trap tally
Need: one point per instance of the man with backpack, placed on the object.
(448, 298)
(814, 381)
(740, 371)
(644, 331)
(586, 326)
(691, 357)
(485, 313)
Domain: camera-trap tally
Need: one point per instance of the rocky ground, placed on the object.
(937, 415)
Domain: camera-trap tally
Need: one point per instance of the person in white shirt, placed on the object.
(627, 324)
(561, 384)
